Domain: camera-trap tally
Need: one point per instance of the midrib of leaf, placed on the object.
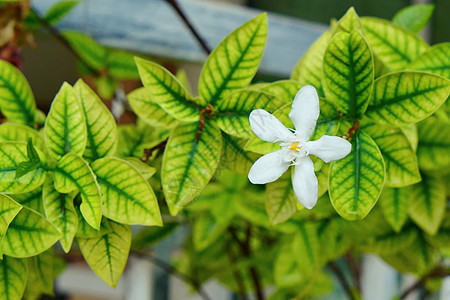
(395, 162)
(234, 67)
(66, 128)
(88, 129)
(286, 191)
(307, 244)
(357, 170)
(236, 147)
(189, 165)
(352, 87)
(30, 118)
(396, 204)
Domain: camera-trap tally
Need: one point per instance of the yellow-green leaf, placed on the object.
(92, 53)
(101, 129)
(406, 97)
(234, 62)
(433, 150)
(11, 155)
(16, 98)
(127, 196)
(234, 157)
(148, 110)
(8, 210)
(349, 22)
(436, 60)
(414, 17)
(305, 246)
(189, 162)
(29, 234)
(13, 277)
(394, 203)
(41, 271)
(394, 46)
(140, 166)
(166, 91)
(32, 200)
(356, 180)
(74, 174)
(121, 65)
(348, 72)
(284, 90)
(65, 127)
(59, 211)
(281, 202)
(428, 202)
(390, 242)
(15, 132)
(107, 255)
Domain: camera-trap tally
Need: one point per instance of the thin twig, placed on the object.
(437, 272)
(148, 152)
(340, 276)
(354, 268)
(57, 35)
(168, 268)
(237, 275)
(182, 15)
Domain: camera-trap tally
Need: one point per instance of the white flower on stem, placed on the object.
(295, 146)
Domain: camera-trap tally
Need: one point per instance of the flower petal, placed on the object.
(329, 148)
(268, 128)
(268, 168)
(305, 182)
(305, 111)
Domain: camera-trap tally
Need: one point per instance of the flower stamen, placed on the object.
(295, 147)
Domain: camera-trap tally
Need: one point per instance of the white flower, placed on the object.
(295, 147)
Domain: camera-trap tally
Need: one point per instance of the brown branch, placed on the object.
(148, 152)
(354, 268)
(168, 268)
(353, 130)
(236, 274)
(186, 21)
(340, 276)
(437, 272)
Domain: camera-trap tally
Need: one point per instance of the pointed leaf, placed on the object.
(73, 173)
(234, 110)
(394, 203)
(65, 127)
(16, 98)
(59, 211)
(309, 69)
(141, 167)
(401, 161)
(8, 210)
(306, 248)
(148, 110)
(234, 62)
(20, 133)
(92, 53)
(41, 271)
(428, 202)
(32, 200)
(234, 157)
(349, 22)
(13, 277)
(348, 72)
(390, 243)
(107, 255)
(127, 196)
(407, 97)
(11, 155)
(436, 60)
(101, 128)
(166, 91)
(281, 202)
(284, 90)
(433, 150)
(29, 234)
(59, 10)
(207, 229)
(414, 17)
(189, 162)
(394, 46)
(121, 65)
(356, 180)
(86, 231)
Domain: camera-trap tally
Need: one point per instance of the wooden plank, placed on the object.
(152, 27)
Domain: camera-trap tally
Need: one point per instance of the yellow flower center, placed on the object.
(295, 147)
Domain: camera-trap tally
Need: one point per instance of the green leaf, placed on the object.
(41, 271)
(121, 65)
(328, 122)
(182, 77)
(207, 229)
(406, 97)
(389, 243)
(349, 22)
(348, 72)
(234, 157)
(414, 17)
(148, 110)
(127, 196)
(401, 161)
(394, 203)
(306, 247)
(65, 127)
(13, 277)
(101, 127)
(356, 180)
(428, 202)
(33, 162)
(8, 210)
(286, 271)
(234, 62)
(11, 155)
(58, 11)
(394, 46)
(189, 162)
(148, 236)
(433, 150)
(73, 173)
(16, 98)
(436, 60)
(21, 133)
(59, 211)
(234, 110)
(410, 132)
(32, 200)
(309, 69)
(107, 255)
(106, 87)
(92, 53)
(281, 202)
(165, 90)
(284, 90)
(29, 234)
(145, 170)
(86, 231)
